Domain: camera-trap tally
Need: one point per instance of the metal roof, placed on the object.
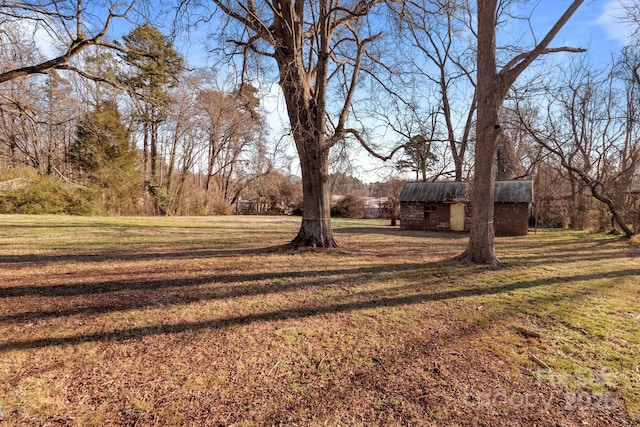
(450, 191)
(456, 192)
(514, 192)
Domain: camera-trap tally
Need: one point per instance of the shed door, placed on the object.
(457, 217)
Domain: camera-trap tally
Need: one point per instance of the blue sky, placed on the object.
(596, 25)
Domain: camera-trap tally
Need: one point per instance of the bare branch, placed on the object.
(511, 72)
(363, 142)
(80, 43)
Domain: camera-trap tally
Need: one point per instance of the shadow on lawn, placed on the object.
(294, 313)
(120, 255)
(396, 231)
(133, 295)
(100, 288)
(567, 251)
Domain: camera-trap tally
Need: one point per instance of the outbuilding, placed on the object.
(446, 206)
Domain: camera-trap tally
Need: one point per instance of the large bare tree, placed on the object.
(493, 85)
(320, 48)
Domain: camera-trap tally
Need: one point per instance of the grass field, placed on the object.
(212, 321)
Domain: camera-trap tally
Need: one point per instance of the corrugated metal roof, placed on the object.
(434, 192)
(455, 192)
(514, 191)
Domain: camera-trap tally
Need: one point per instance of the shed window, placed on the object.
(429, 210)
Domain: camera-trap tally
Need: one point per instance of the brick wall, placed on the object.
(511, 218)
(412, 216)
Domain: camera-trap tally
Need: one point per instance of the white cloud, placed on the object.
(612, 20)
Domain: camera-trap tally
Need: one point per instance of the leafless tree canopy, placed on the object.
(69, 26)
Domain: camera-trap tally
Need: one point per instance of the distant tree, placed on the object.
(281, 192)
(343, 183)
(632, 18)
(155, 68)
(59, 116)
(418, 157)
(443, 33)
(389, 189)
(591, 126)
(37, 122)
(233, 127)
(54, 39)
(103, 158)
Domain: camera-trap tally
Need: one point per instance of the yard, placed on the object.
(212, 321)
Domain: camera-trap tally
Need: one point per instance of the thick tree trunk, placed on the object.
(490, 94)
(480, 248)
(491, 90)
(308, 126)
(315, 229)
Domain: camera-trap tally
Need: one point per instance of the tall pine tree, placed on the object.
(155, 68)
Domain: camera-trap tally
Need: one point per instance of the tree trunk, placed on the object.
(315, 229)
(509, 165)
(490, 95)
(154, 153)
(480, 248)
(145, 155)
(306, 108)
(491, 91)
(615, 214)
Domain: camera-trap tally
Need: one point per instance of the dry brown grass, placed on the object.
(211, 321)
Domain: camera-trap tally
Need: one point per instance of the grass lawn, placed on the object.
(212, 321)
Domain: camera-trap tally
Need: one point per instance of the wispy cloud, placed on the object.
(613, 21)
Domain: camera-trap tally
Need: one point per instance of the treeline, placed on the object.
(579, 138)
(142, 136)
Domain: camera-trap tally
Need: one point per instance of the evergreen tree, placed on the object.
(418, 157)
(102, 156)
(155, 67)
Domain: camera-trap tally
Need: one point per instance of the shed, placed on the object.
(446, 206)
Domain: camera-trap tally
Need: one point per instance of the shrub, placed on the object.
(221, 207)
(160, 198)
(349, 206)
(47, 195)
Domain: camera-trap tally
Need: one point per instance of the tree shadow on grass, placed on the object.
(395, 231)
(123, 255)
(124, 295)
(564, 251)
(298, 312)
(110, 286)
